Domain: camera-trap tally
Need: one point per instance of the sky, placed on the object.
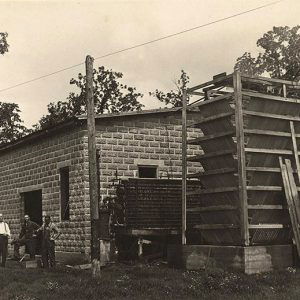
(47, 36)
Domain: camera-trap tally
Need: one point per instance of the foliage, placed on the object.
(173, 98)
(3, 43)
(11, 127)
(280, 57)
(110, 96)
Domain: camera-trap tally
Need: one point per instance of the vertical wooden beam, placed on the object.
(284, 90)
(240, 141)
(93, 180)
(295, 149)
(184, 165)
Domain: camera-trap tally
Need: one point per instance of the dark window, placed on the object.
(147, 171)
(64, 194)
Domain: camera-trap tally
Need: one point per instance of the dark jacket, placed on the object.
(28, 230)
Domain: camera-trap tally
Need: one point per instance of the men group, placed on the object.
(48, 233)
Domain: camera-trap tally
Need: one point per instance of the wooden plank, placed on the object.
(265, 169)
(213, 190)
(289, 198)
(207, 102)
(240, 141)
(212, 208)
(259, 79)
(210, 154)
(295, 149)
(270, 97)
(267, 226)
(214, 136)
(269, 151)
(215, 226)
(184, 167)
(269, 132)
(211, 82)
(212, 172)
(271, 116)
(212, 118)
(264, 206)
(264, 188)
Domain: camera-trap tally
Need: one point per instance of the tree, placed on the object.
(174, 97)
(3, 43)
(280, 57)
(11, 127)
(110, 96)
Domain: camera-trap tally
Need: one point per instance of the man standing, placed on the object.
(27, 238)
(49, 234)
(4, 234)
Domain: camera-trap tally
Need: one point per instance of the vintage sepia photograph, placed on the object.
(149, 149)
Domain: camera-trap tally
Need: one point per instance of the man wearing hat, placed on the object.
(27, 238)
(4, 234)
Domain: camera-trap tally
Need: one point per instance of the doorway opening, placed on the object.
(33, 205)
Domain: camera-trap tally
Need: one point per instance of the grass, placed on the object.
(145, 282)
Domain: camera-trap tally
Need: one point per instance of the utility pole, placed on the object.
(93, 180)
(184, 167)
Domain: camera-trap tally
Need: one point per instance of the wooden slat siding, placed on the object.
(271, 116)
(267, 207)
(268, 226)
(239, 123)
(212, 172)
(216, 226)
(212, 118)
(208, 102)
(269, 151)
(212, 208)
(211, 154)
(213, 191)
(264, 169)
(210, 137)
(289, 198)
(270, 97)
(269, 132)
(259, 79)
(211, 82)
(295, 149)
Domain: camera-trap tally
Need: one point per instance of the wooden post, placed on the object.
(240, 141)
(93, 181)
(295, 149)
(184, 166)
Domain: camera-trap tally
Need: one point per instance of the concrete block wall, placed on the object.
(129, 141)
(36, 166)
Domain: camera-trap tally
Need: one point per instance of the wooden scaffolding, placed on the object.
(247, 124)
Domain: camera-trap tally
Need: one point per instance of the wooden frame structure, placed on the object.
(247, 123)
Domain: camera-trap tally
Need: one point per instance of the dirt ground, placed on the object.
(142, 281)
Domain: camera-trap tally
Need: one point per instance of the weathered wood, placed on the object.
(269, 132)
(264, 188)
(267, 226)
(263, 97)
(269, 151)
(295, 149)
(212, 118)
(216, 226)
(212, 172)
(265, 169)
(211, 82)
(289, 189)
(212, 208)
(213, 190)
(210, 154)
(214, 136)
(240, 141)
(264, 206)
(259, 79)
(184, 166)
(271, 116)
(208, 102)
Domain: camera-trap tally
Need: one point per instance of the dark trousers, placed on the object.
(48, 254)
(3, 249)
(30, 246)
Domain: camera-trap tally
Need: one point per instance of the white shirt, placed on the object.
(4, 229)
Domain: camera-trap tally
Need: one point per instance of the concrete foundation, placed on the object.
(252, 259)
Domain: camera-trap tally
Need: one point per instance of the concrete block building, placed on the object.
(47, 172)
